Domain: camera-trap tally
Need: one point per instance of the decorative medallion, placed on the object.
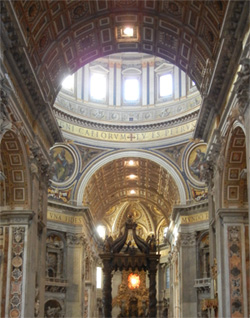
(14, 313)
(16, 273)
(80, 10)
(196, 164)
(63, 165)
(15, 300)
(17, 261)
(17, 249)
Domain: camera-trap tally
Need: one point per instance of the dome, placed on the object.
(122, 93)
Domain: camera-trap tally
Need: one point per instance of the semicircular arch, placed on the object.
(132, 154)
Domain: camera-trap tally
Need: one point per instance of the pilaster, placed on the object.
(75, 272)
(188, 268)
(232, 241)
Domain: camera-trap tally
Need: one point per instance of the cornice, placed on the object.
(225, 66)
(17, 59)
(181, 210)
(125, 128)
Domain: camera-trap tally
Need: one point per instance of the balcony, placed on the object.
(55, 285)
(203, 284)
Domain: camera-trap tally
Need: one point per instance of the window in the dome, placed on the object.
(98, 86)
(68, 83)
(166, 85)
(131, 89)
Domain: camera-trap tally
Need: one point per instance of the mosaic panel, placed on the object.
(247, 251)
(15, 159)
(16, 280)
(235, 271)
(196, 162)
(11, 145)
(19, 194)
(239, 142)
(236, 157)
(234, 174)
(233, 193)
(63, 165)
(17, 176)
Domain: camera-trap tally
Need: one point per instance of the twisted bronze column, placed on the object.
(152, 290)
(107, 289)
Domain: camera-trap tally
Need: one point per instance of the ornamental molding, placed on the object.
(16, 217)
(225, 66)
(187, 239)
(17, 57)
(73, 119)
(242, 86)
(75, 239)
(108, 115)
(184, 210)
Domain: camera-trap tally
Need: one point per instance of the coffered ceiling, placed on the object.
(61, 36)
(129, 185)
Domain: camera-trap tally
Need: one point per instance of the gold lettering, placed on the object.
(125, 137)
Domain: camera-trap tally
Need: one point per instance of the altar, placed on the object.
(136, 261)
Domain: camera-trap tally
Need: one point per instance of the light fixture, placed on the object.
(133, 281)
(125, 33)
(132, 176)
(128, 31)
(131, 163)
(132, 191)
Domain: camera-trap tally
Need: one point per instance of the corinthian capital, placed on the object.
(75, 239)
(187, 239)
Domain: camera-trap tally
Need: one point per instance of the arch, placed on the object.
(234, 186)
(74, 44)
(132, 154)
(53, 308)
(15, 188)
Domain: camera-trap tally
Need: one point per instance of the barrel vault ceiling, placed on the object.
(154, 191)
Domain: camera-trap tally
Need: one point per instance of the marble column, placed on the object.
(188, 270)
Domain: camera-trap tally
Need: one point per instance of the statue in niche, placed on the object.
(87, 269)
(151, 242)
(53, 312)
(53, 309)
(108, 242)
(54, 256)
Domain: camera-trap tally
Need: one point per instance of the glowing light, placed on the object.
(133, 281)
(128, 31)
(98, 277)
(131, 162)
(132, 176)
(68, 82)
(166, 85)
(131, 89)
(132, 192)
(101, 230)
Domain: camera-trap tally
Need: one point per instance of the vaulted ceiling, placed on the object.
(61, 36)
(153, 189)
